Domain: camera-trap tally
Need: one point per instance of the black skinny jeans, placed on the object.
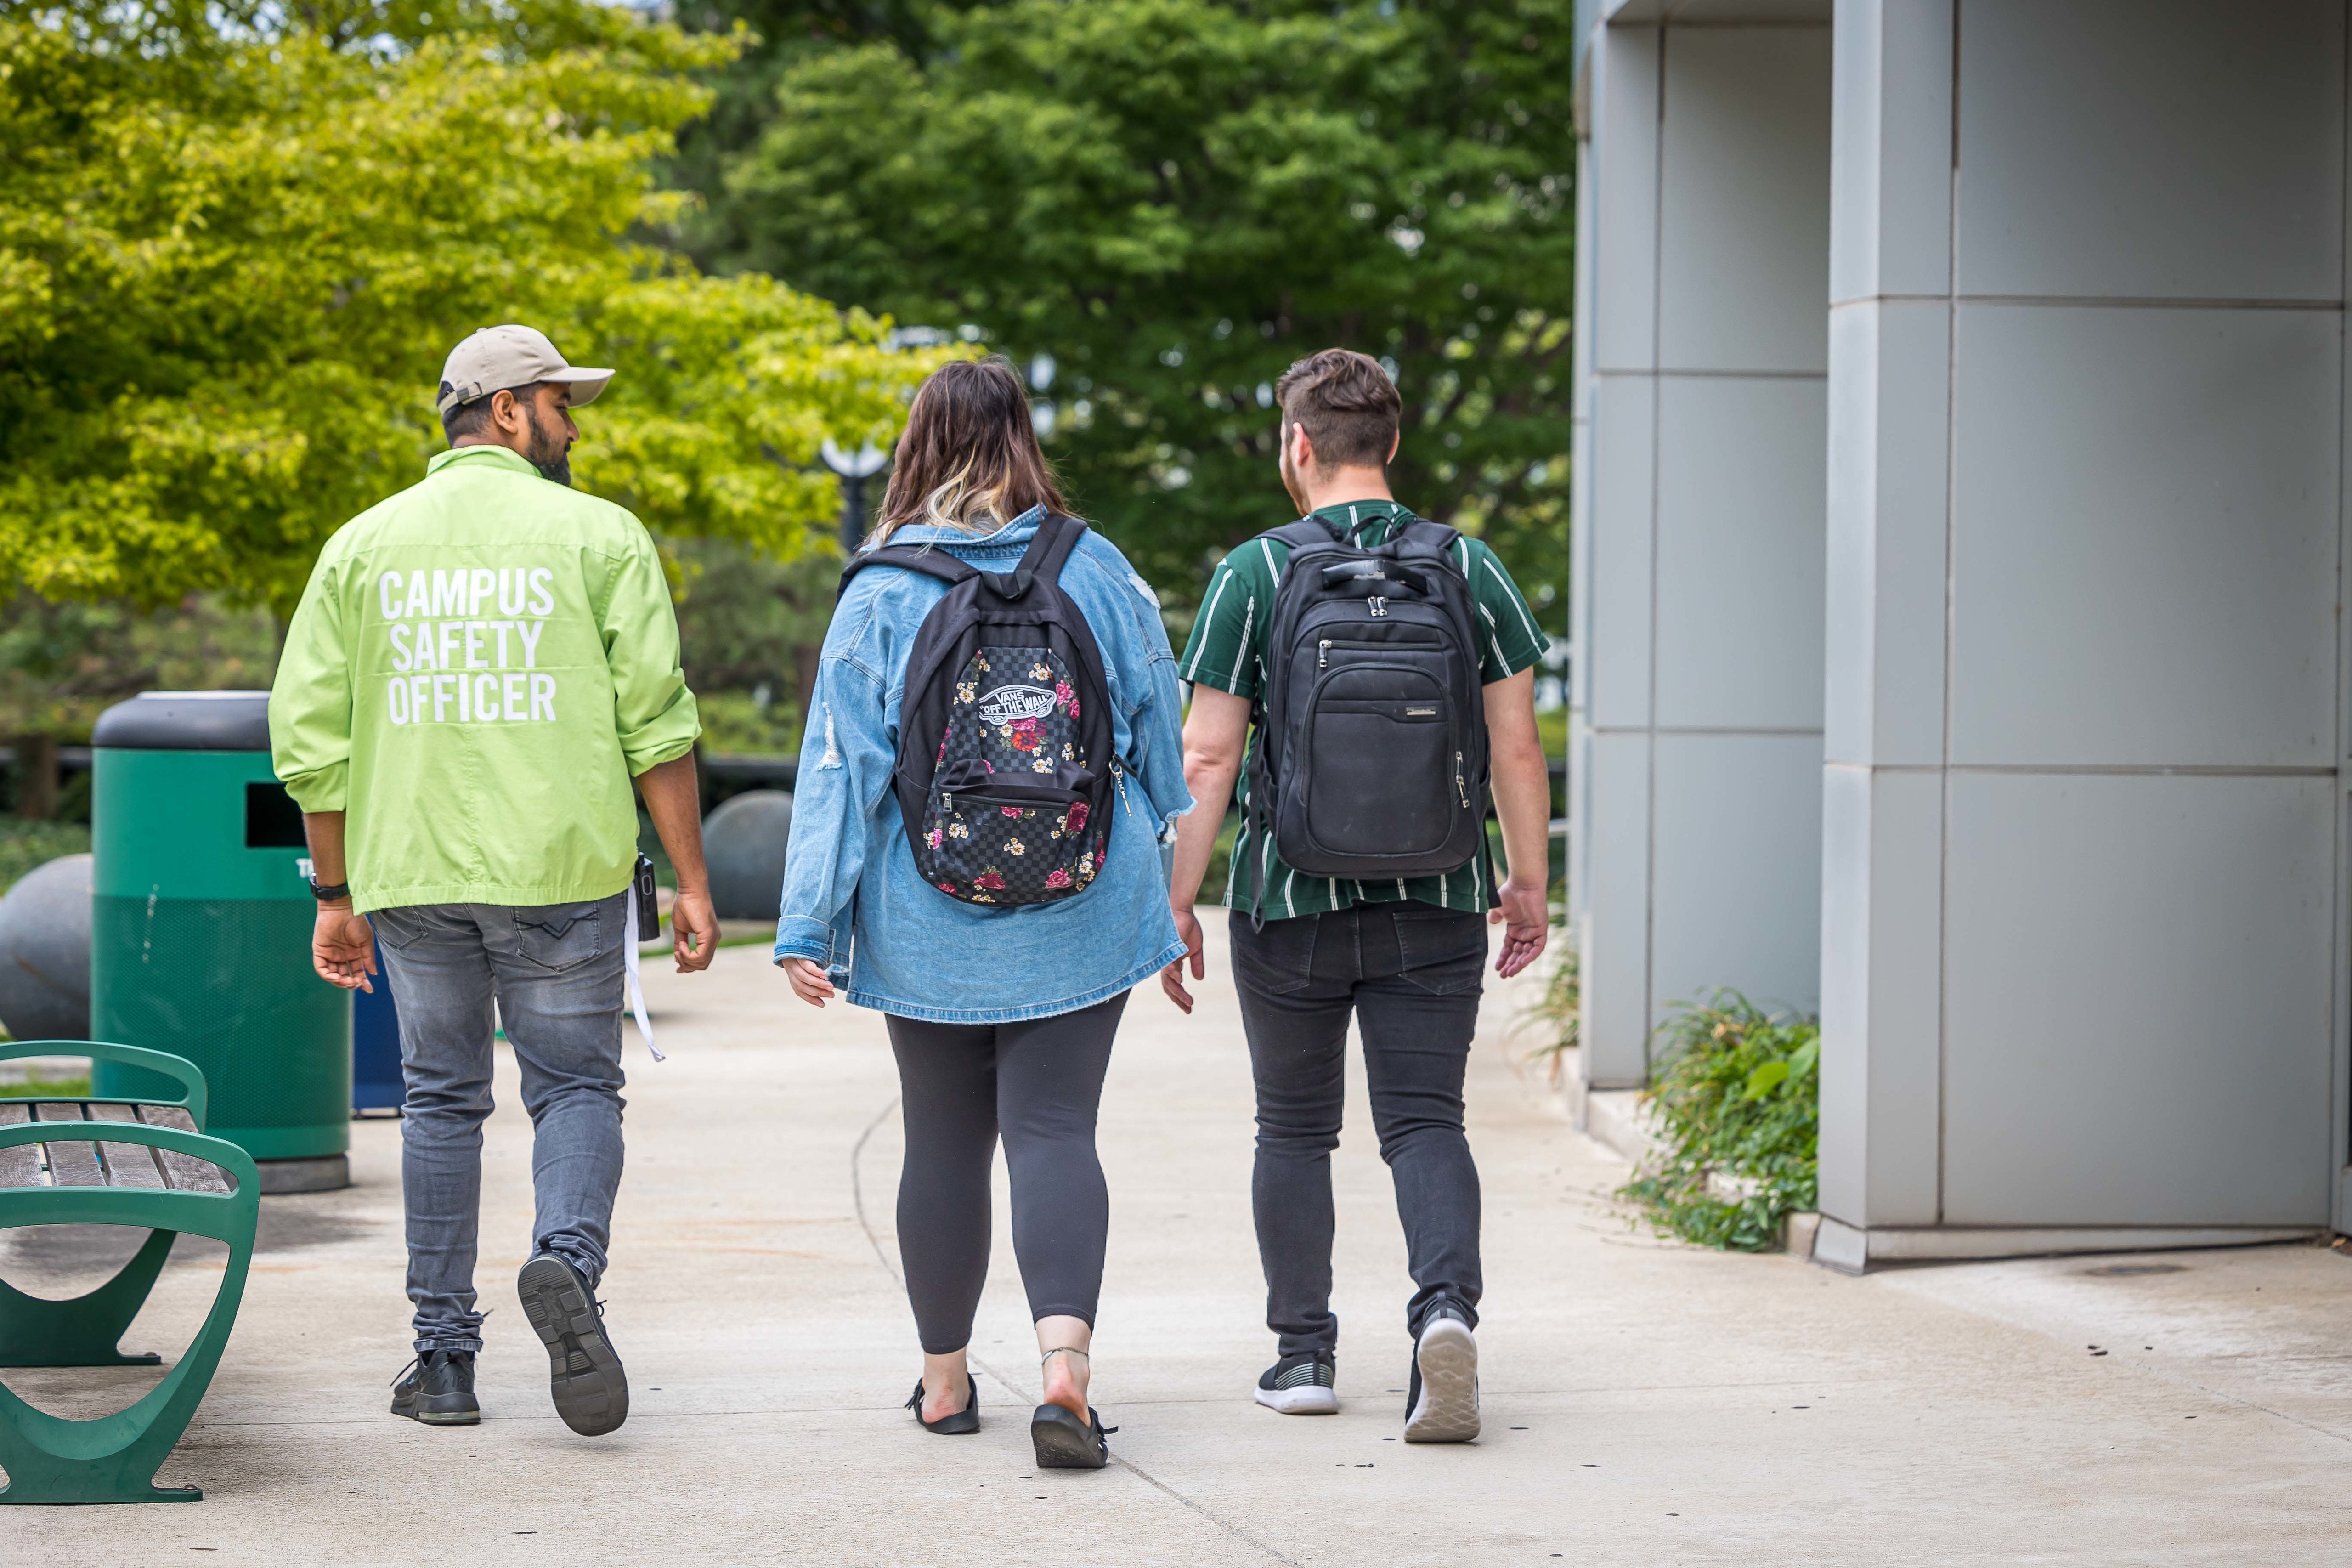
(1410, 974)
(1040, 1082)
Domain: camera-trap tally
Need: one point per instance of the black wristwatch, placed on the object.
(327, 892)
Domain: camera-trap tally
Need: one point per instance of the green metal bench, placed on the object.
(127, 1162)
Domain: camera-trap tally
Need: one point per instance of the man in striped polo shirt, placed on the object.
(1403, 958)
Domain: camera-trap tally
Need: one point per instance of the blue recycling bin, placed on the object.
(376, 1083)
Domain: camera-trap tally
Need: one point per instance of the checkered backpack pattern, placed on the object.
(1006, 770)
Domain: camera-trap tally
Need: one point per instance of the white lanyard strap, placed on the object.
(637, 983)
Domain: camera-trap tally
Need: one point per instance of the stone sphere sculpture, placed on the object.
(743, 840)
(45, 953)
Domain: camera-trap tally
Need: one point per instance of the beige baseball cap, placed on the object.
(508, 356)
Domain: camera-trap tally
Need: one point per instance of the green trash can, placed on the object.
(200, 931)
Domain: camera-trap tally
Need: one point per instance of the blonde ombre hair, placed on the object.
(969, 459)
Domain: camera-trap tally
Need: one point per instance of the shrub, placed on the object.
(1737, 1104)
(1558, 1013)
(26, 847)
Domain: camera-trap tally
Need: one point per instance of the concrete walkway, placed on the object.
(1645, 1402)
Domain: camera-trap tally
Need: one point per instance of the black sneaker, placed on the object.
(1302, 1384)
(1441, 1400)
(592, 1391)
(438, 1390)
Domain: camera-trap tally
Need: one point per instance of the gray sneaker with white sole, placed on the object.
(1301, 1385)
(1441, 1400)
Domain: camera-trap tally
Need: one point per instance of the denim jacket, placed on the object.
(853, 899)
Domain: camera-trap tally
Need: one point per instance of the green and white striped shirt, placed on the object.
(1227, 650)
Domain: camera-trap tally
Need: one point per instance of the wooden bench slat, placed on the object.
(185, 1171)
(72, 1163)
(20, 1167)
(127, 1164)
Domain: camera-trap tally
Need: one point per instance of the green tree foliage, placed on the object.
(749, 623)
(238, 239)
(1738, 1107)
(1167, 202)
(62, 664)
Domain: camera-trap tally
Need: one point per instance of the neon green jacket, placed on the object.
(479, 667)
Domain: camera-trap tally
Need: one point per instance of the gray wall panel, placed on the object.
(1615, 939)
(1886, 498)
(1745, 230)
(1890, 141)
(1617, 639)
(1882, 956)
(2147, 538)
(1737, 868)
(1625, 195)
(1740, 553)
(2140, 973)
(2152, 149)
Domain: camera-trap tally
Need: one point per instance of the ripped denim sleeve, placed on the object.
(1158, 735)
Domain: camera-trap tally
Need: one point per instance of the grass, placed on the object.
(27, 845)
(1737, 1103)
(46, 1088)
(1552, 728)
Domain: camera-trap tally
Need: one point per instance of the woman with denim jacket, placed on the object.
(1001, 1018)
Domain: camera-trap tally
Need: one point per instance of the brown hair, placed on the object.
(969, 458)
(1345, 402)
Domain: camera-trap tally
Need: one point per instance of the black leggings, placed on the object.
(1040, 1081)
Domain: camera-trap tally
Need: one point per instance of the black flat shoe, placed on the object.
(1065, 1442)
(964, 1421)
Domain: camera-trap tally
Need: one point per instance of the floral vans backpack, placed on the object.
(1006, 770)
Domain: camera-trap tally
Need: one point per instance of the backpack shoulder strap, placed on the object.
(1303, 534)
(930, 562)
(1048, 553)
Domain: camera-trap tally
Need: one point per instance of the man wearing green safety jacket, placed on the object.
(478, 667)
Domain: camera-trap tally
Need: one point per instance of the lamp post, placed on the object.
(854, 469)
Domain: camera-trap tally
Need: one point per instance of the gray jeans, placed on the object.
(556, 975)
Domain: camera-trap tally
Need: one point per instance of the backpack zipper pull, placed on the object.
(1460, 788)
(1119, 777)
(1323, 653)
(1379, 607)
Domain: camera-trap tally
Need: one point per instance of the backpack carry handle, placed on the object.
(1405, 577)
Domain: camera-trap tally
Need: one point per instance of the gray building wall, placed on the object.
(1697, 704)
(2080, 963)
(2019, 325)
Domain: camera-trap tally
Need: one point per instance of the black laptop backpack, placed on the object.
(1006, 772)
(1372, 751)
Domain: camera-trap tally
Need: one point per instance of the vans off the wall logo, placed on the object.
(1011, 704)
